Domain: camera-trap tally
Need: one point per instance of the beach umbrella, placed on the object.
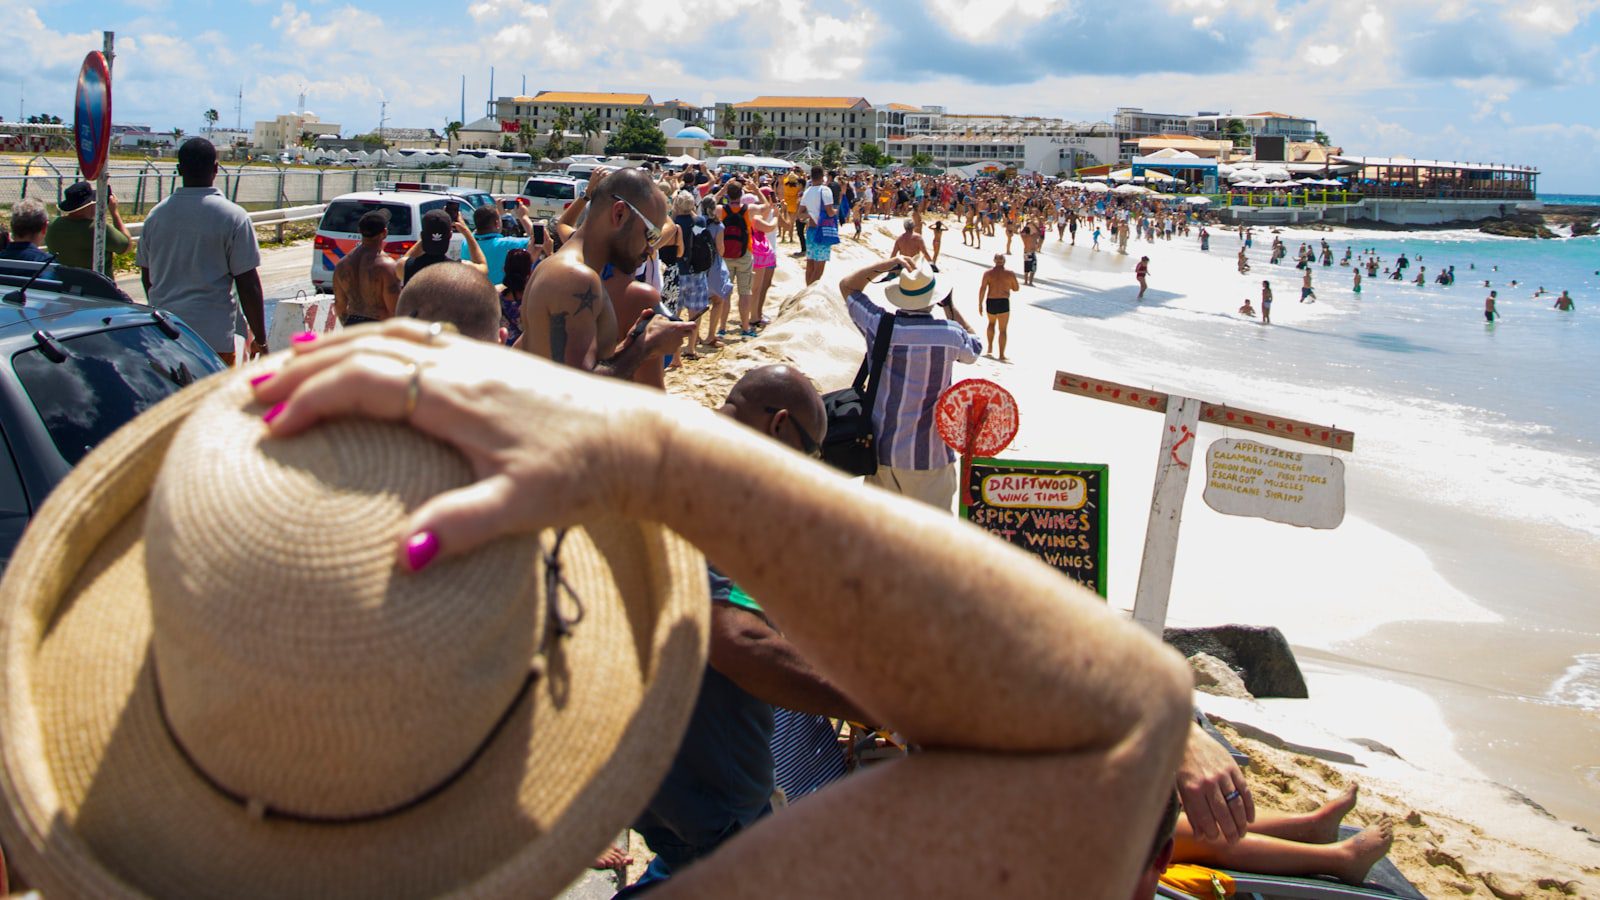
(1131, 189)
(1274, 173)
(1096, 188)
(1197, 201)
(1121, 175)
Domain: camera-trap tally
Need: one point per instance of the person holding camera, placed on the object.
(923, 351)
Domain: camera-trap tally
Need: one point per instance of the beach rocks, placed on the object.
(1261, 655)
(1517, 228)
(1213, 676)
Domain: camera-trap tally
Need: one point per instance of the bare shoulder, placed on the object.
(564, 284)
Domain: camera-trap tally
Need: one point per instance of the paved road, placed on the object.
(285, 271)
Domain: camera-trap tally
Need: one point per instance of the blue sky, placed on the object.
(1440, 79)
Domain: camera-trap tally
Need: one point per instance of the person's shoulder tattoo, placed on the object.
(586, 298)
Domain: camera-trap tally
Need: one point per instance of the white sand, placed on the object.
(1329, 591)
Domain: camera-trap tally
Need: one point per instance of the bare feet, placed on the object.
(613, 858)
(1363, 851)
(1325, 821)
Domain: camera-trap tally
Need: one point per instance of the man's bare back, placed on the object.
(366, 283)
(909, 245)
(567, 315)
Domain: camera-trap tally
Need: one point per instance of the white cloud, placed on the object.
(1487, 94)
(985, 20)
(1324, 54)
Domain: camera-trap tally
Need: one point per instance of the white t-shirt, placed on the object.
(814, 199)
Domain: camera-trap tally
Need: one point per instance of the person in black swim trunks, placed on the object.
(994, 301)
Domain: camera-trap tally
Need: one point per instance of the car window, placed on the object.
(343, 215)
(551, 190)
(107, 378)
(14, 511)
(479, 200)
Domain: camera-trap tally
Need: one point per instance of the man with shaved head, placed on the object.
(577, 299)
(458, 295)
(721, 780)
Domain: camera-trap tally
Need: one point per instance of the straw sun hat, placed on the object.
(216, 683)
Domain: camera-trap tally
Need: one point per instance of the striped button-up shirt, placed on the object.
(922, 352)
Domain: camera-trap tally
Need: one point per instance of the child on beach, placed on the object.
(1355, 287)
(1097, 239)
(1140, 272)
(1247, 309)
(1266, 302)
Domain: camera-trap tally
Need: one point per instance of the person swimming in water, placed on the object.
(1564, 302)
(1489, 312)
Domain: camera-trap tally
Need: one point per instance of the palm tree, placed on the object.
(525, 136)
(756, 121)
(452, 131)
(177, 136)
(769, 140)
(589, 126)
(556, 147)
(211, 117)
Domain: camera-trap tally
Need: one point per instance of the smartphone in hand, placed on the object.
(453, 209)
(538, 233)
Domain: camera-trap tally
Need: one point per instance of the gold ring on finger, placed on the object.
(413, 389)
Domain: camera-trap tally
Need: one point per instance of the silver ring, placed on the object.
(413, 389)
(434, 330)
(1231, 797)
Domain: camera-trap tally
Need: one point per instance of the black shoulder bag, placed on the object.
(851, 443)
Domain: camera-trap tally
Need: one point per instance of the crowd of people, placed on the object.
(497, 355)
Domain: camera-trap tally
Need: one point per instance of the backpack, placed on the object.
(702, 254)
(735, 233)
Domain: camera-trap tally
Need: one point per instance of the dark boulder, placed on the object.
(1260, 655)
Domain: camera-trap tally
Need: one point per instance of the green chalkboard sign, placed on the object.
(1056, 511)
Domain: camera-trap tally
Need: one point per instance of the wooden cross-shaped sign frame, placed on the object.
(1184, 415)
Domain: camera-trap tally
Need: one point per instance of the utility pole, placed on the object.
(488, 108)
(238, 109)
(383, 116)
(102, 185)
(463, 119)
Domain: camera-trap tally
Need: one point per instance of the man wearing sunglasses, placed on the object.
(580, 299)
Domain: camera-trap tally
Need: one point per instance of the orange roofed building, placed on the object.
(797, 122)
(543, 109)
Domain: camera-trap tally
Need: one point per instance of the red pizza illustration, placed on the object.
(977, 417)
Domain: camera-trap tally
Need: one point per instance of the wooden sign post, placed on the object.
(1184, 415)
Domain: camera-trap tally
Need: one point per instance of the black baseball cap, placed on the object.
(76, 197)
(436, 231)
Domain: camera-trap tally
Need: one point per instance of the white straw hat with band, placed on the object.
(216, 682)
(913, 291)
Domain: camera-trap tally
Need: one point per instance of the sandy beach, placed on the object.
(1426, 656)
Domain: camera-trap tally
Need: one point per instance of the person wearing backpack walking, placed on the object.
(735, 246)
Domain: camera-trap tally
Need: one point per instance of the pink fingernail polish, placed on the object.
(256, 381)
(304, 337)
(273, 413)
(421, 548)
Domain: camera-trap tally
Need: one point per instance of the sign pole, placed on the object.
(102, 184)
(1166, 513)
(1184, 415)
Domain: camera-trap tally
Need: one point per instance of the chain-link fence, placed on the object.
(140, 186)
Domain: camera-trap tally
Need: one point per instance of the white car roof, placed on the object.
(394, 196)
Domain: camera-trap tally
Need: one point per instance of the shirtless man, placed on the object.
(572, 307)
(994, 300)
(366, 283)
(910, 244)
(1032, 239)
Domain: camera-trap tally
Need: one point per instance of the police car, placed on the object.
(338, 234)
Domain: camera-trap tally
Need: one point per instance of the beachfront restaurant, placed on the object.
(1400, 178)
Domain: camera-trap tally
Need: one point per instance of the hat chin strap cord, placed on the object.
(561, 627)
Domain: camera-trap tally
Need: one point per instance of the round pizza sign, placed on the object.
(91, 120)
(977, 417)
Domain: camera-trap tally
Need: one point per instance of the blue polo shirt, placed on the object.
(495, 247)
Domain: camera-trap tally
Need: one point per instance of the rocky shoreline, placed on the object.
(1550, 223)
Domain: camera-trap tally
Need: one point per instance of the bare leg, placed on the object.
(988, 342)
(1004, 319)
(1320, 826)
(763, 281)
(1347, 860)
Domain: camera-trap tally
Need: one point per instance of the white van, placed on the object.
(338, 234)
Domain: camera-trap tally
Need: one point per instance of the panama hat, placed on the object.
(913, 290)
(215, 682)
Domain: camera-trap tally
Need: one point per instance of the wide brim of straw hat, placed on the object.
(98, 801)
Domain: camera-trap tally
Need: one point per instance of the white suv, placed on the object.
(338, 234)
(548, 196)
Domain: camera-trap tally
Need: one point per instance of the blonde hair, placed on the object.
(683, 204)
